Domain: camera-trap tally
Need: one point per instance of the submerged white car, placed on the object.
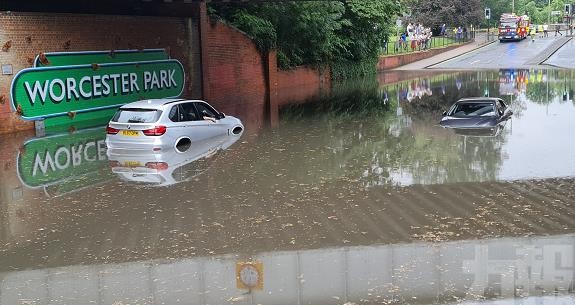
(165, 124)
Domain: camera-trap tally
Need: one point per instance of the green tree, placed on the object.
(314, 32)
(454, 13)
(497, 8)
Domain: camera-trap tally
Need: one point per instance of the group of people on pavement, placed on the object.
(459, 33)
(416, 36)
(543, 30)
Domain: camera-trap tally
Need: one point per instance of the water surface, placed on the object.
(358, 197)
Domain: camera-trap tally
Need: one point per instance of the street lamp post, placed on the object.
(549, 16)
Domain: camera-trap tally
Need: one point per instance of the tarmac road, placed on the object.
(552, 51)
(506, 55)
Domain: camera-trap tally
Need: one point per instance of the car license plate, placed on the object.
(132, 164)
(130, 133)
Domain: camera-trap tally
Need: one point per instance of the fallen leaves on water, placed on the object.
(237, 299)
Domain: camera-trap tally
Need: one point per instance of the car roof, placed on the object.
(478, 99)
(156, 103)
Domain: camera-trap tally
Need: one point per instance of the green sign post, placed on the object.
(56, 91)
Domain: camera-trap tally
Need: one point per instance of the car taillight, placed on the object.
(111, 130)
(156, 131)
(157, 165)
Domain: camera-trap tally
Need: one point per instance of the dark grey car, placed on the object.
(476, 113)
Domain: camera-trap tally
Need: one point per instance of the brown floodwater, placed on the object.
(357, 197)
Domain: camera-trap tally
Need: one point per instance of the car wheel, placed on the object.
(183, 144)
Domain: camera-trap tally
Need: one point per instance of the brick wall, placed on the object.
(223, 65)
(34, 33)
(240, 81)
(301, 84)
(234, 74)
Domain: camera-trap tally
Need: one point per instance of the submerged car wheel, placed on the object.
(183, 144)
(237, 130)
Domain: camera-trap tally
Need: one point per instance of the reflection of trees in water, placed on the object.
(357, 139)
(540, 93)
(352, 99)
(427, 154)
(433, 155)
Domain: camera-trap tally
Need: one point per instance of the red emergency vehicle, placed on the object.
(513, 27)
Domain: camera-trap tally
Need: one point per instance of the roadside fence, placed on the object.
(398, 46)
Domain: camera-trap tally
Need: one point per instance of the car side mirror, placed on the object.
(508, 113)
(444, 113)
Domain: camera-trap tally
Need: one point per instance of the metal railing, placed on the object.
(402, 47)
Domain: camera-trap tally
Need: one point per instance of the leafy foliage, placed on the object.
(348, 69)
(261, 30)
(453, 13)
(314, 32)
(538, 10)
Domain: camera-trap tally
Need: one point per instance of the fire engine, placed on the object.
(513, 27)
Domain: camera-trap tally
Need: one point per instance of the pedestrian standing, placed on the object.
(403, 43)
(557, 30)
(546, 30)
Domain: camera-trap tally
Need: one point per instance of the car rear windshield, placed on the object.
(137, 115)
(473, 109)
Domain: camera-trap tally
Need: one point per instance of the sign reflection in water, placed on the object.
(65, 162)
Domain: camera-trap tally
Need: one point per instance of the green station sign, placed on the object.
(47, 92)
(65, 161)
(57, 59)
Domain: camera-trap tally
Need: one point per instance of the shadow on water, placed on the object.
(354, 99)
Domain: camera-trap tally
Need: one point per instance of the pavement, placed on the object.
(563, 57)
(484, 54)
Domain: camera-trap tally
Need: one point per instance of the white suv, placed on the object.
(165, 124)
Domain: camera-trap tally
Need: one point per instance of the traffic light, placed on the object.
(487, 13)
(568, 9)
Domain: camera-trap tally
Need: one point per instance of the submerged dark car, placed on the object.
(476, 113)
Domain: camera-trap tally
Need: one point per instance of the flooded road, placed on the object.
(359, 197)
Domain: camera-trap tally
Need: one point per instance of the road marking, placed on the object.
(475, 61)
